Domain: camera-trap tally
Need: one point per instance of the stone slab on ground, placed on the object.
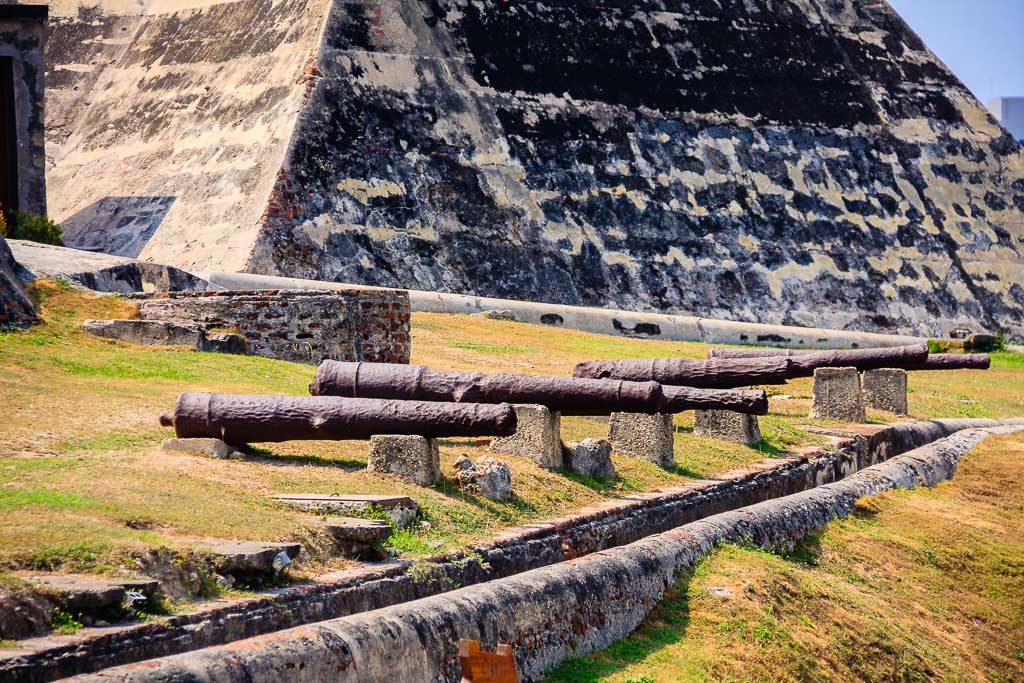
(166, 333)
(885, 389)
(148, 332)
(538, 436)
(86, 594)
(211, 448)
(250, 558)
(411, 457)
(400, 509)
(101, 272)
(590, 458)
(725, 424)
(315, 502)
(650, 437)
(837, 395)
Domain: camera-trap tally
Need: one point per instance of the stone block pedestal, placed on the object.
(643, 436)
(837, 395)
(886, 389)
(591, 458)
(415, 458)
(211, 448)
(725, 424)
(538, 436)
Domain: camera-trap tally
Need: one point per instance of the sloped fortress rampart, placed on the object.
(797, 161)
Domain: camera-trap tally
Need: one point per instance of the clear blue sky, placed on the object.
(982, 41)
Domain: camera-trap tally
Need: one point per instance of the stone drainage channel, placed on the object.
(547, 615)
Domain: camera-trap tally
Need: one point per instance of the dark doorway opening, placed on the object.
(8, 141)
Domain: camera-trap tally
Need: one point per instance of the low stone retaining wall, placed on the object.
(645, 325)
(297, 325)
(547, 614)
(517, 550)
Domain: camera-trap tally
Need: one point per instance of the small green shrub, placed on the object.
(32, 227)
(938, 346)
(65, 624)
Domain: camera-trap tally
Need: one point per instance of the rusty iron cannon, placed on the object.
(568, 395)
(749, 401)
(934, 361)
(726, 373)
(704, 374)
(250, 418)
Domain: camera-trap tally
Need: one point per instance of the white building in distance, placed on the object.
(1010, 112)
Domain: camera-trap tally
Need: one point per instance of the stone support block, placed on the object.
(725, 424)
(837, 395)
(643, 436)
(415, 458)
(591, 458)
(211, 448)
(885, 389)
(538, 436)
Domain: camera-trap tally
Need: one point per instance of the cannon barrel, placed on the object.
(238, 419)
(749, 401)
(934, 361)
(956, 361)
(728, 373)
(705, 374)
(906, 357)
(567, 395)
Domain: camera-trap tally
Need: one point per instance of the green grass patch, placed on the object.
(485, 347)
(65, 624)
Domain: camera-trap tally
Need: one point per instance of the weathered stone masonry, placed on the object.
(299, 325)
(807, 162)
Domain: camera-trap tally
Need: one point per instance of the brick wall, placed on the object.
(297, 325)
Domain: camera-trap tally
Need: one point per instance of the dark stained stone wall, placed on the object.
(16, 310)
(798, 161)
(21, 41)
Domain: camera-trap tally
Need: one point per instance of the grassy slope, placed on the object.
(82, 478)
(919, 585)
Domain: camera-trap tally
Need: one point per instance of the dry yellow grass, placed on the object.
(83, 481)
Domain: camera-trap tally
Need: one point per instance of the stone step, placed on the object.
(246, 560)
(355, 537)
(401, 509)
(356, 530)
(79, 595)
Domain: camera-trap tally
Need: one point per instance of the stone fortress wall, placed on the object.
(639, 154)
